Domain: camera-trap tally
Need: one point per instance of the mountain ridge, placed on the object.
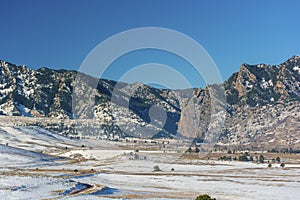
(48, 93)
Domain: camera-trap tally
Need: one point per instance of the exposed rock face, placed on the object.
(262, 109)
(263, 106)
(261, 84)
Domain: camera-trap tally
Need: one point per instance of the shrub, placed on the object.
(269, 165)
(204, 197)
(156, 168)
(251, 158)
(136, 156)
(243, 158)
(225, 158)
(261, 159)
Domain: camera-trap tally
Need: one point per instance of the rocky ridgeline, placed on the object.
(262, 109)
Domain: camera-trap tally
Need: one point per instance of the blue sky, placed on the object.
(60, 33)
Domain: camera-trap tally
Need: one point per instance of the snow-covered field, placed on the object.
(36, 164)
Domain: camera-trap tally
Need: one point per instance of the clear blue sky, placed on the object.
(60, 33)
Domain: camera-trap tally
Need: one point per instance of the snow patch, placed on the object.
(297, 68)
(266, 84)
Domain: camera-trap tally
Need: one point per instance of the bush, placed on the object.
(261, 159)
(251, 158)
(269, 165)
(225, 158)
(243, 158)
(156, 168)
(204, 197)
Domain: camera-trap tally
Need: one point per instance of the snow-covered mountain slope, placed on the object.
(262, 100)
(48, 93)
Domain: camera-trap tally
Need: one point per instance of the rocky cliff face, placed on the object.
(257, 85)
(262, 108)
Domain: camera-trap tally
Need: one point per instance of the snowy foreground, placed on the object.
(36, 164)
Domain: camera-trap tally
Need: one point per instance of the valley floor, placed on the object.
(36, 164)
